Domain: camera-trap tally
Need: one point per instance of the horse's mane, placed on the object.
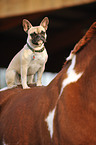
(86, 38)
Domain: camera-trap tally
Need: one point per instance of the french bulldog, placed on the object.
(31, 59)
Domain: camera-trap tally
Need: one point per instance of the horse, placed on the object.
(62, 113)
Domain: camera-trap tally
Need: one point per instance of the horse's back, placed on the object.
(22, 110)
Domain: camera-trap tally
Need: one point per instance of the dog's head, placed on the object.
(36, 35)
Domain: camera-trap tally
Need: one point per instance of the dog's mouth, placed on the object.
(38, 39)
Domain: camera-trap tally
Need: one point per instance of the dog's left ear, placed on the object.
(44, 23)
(26, 25)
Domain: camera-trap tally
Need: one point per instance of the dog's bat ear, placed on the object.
(44, 23)
(26, 25)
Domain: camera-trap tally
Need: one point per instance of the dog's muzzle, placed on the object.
(37, 39)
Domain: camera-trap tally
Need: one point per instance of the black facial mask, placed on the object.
(37, 37)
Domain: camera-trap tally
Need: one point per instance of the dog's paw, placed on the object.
(39, 84)
(33, 83)
(26, 87)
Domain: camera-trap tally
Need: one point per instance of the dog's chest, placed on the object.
(37, 61)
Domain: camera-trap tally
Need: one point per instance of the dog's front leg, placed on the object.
(24, 76)
(39, 75)
(30, 79)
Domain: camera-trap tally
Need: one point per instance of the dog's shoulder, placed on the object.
(42, 56)
(26, 53)
(45, 54)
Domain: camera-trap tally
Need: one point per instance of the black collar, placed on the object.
(41, 50)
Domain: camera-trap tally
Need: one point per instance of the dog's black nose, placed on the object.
(40, 37)
(37, 38)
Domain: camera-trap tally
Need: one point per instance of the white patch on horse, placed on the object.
(50, 120)
(70, 57)
(7, 88)
(72, 75)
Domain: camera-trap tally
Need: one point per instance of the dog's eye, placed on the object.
(33, 34)
(42, 33)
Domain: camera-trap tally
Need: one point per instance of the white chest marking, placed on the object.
(50, 120)
(72, 77)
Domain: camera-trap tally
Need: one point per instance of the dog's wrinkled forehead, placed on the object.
(37, 30)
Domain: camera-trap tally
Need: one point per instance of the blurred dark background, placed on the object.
(67, 26)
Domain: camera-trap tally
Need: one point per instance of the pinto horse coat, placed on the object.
(62, 113)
